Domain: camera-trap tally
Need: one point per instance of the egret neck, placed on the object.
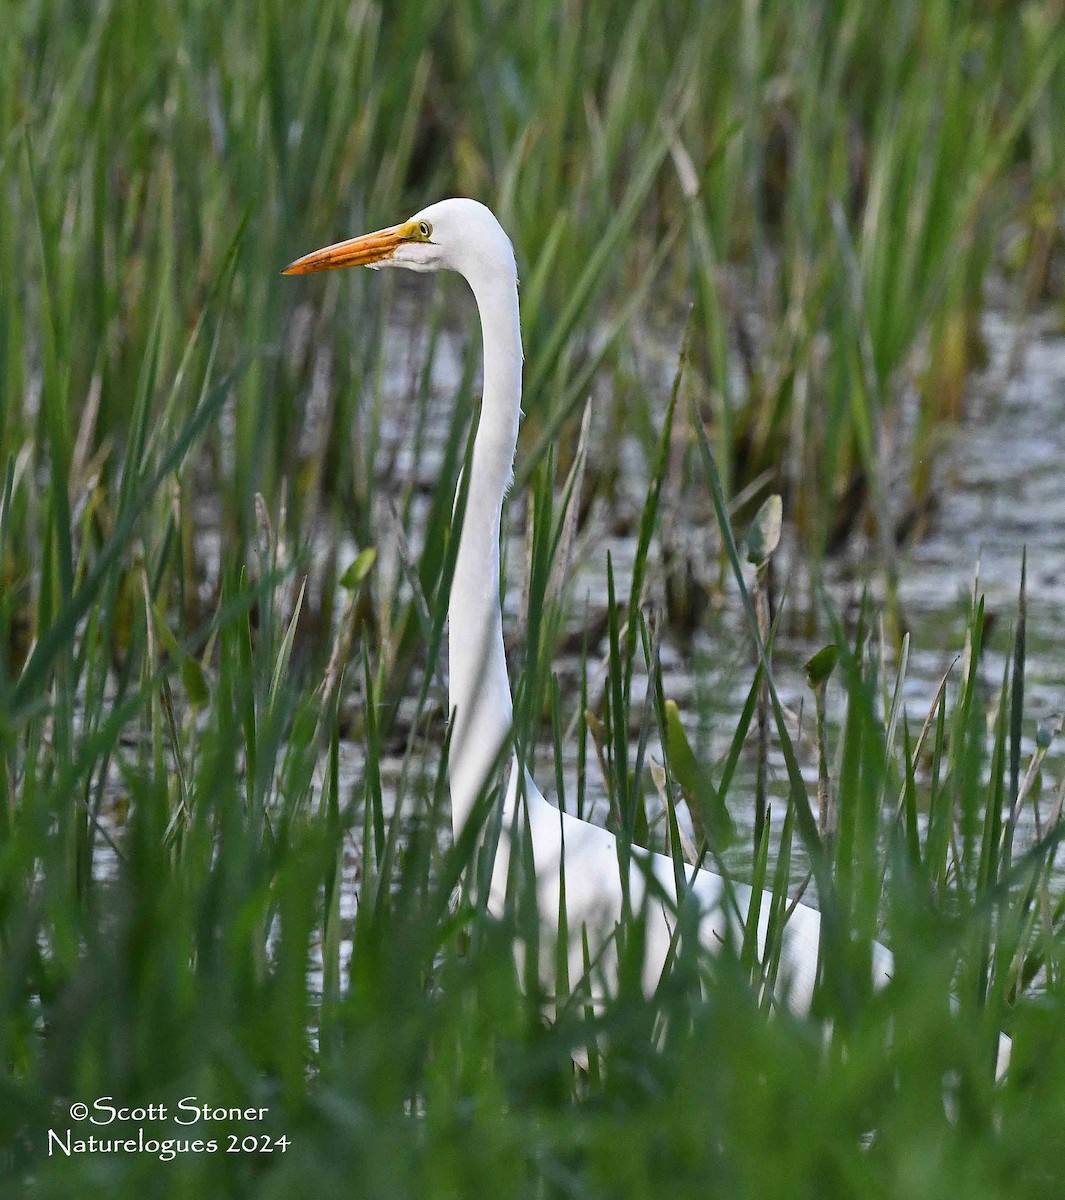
(479, 688)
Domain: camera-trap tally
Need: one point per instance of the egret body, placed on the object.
(464, 236)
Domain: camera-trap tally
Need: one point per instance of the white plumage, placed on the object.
(464, 236)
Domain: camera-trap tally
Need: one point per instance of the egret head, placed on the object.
(453, 235)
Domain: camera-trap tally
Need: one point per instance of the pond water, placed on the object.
(999, 488)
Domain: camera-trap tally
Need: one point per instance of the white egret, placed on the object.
(464, 236)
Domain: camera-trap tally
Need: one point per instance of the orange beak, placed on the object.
(355, 252)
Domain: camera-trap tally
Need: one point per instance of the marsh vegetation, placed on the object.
(225, 506)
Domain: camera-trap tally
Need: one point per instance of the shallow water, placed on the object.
(999, 488)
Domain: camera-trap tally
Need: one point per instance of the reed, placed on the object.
(225, 861)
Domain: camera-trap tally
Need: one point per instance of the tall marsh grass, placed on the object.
(199, 893)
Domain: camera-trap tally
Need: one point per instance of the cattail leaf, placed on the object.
(709, 814)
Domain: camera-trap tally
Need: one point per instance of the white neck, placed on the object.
(479, 689)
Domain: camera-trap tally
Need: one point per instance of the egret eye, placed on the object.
(424, 228)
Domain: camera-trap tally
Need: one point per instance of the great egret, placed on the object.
(463, 235)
